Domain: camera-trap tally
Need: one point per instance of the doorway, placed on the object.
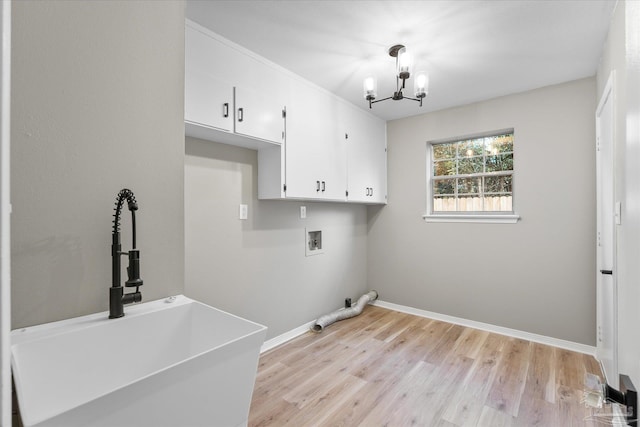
(607, 217)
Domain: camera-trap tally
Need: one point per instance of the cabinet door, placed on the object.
(366, 158)
(258, 114)
(208, 101)
(208, 98)
(334, 172)
(315, 156)
(302, 151)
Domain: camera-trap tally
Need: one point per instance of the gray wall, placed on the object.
(257, 268)
(537, 275)
(97, 106)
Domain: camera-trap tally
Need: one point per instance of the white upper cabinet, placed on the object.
(208, 97)
(366, 144)
(259, 114)
(315, 155)
(222, 102)
(311, 144)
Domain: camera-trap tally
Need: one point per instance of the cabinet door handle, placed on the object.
(368, 191)
(323, 186)
(225, 109)
(317, 185)
(371, 191)
(240, 114)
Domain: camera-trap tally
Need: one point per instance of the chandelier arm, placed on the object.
(383, 99)
(414, 99)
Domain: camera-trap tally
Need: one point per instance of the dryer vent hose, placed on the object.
(344, 313)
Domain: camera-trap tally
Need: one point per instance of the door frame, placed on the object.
(5, 212)
(608, 95)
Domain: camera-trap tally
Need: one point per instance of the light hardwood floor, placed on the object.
(385, 368)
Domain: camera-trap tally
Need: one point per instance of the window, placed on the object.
(471, 178)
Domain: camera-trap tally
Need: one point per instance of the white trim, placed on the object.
(5, 214)
(542, 339)
(472, 136)
(287, 336)
(482, 219)
(608, 94)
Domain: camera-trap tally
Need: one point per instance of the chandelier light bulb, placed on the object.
(370, 86)
(421, 84)
(405, 61)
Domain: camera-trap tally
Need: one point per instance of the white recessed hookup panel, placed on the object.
(313, 241)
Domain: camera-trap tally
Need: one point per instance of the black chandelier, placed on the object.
(404, 63)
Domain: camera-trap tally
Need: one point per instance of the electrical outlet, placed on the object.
(243, 212)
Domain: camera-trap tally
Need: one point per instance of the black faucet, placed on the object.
(117, 297)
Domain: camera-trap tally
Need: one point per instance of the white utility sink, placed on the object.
(172, 362)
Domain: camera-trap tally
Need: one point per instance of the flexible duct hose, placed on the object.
(344, 313)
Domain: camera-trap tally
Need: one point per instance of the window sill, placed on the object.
(478, 218)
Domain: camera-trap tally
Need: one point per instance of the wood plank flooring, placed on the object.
(386, 368)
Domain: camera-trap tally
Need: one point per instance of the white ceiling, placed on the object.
(472, 50)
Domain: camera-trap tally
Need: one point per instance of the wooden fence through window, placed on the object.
(473, 204)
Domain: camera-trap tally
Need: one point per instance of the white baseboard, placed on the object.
(542, 339)
(283, 338)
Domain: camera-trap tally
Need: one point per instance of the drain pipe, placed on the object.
(344, 313)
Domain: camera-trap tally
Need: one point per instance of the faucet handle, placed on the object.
(133, 270)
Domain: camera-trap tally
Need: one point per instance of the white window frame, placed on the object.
(507, 217)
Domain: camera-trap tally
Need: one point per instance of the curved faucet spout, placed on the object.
(117, 297)
(125, 194)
